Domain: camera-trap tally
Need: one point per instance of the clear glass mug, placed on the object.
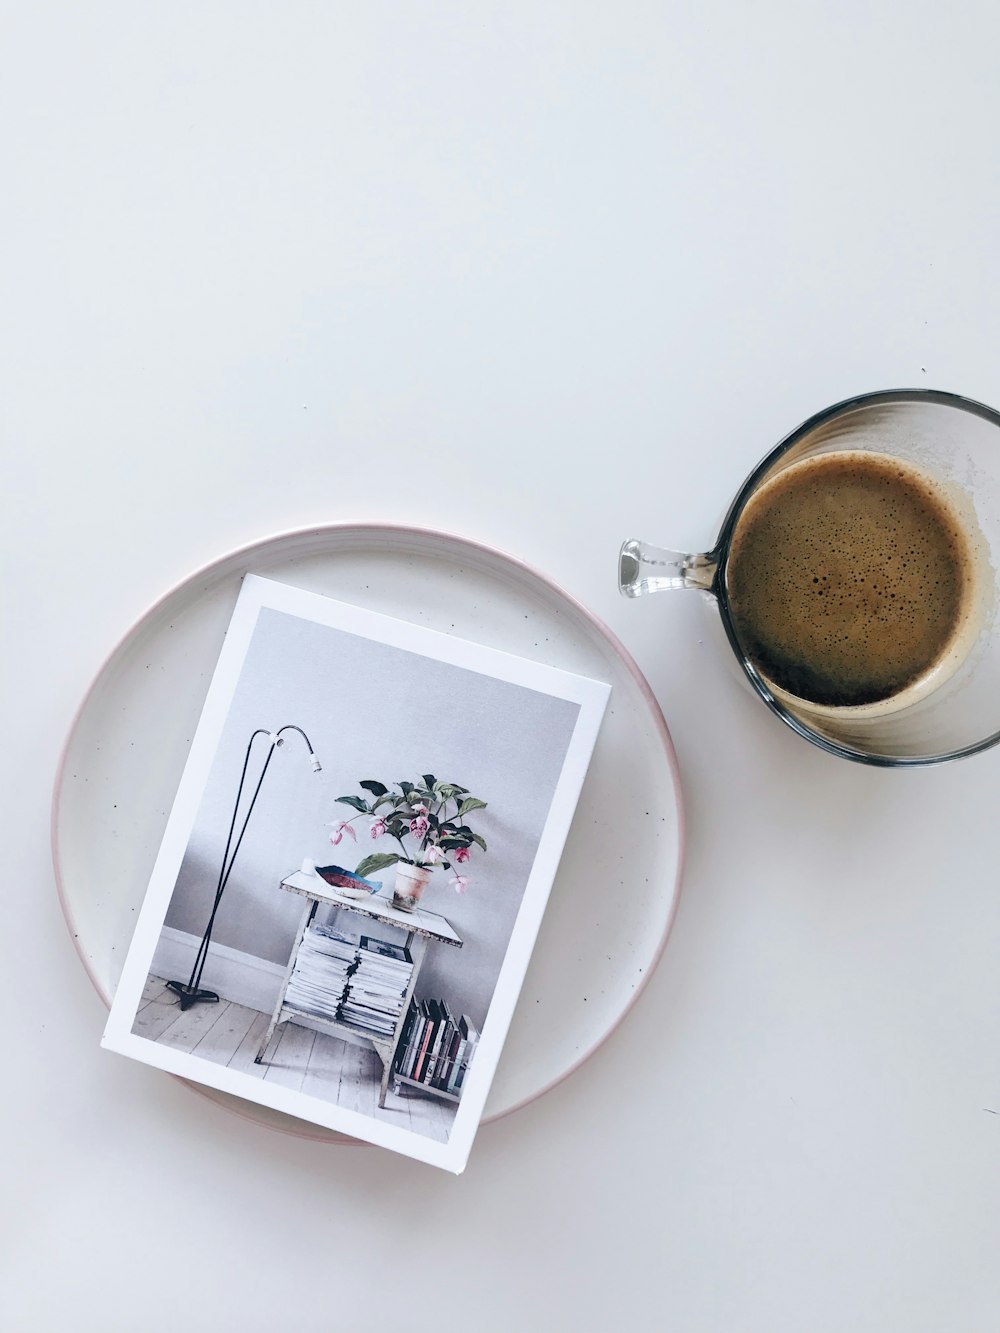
(949, 437)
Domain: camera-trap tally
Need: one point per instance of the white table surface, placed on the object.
(378, 906)
(547, 275)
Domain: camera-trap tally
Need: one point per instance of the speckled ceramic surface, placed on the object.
(614, 897)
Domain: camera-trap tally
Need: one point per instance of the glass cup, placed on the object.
(955, 441)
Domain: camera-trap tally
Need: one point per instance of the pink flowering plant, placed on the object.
(428, 819)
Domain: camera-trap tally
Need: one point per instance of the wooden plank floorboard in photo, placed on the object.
(221, 1042)
(340, 1073)
(243, 1057)
(447, 1120)
(152, 1021)
(287, 1066)
(154, 989)
(396, 1110)
(433, 1112)
(326, 1065)
(190, 1027)
(357, 1077)
(428, 1116)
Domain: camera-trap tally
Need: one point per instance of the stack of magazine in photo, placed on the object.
(377, 988)
(322, 967)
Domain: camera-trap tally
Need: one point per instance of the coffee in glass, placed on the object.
(855, 581)
(855, 577)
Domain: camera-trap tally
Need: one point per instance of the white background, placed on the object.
(548, 275)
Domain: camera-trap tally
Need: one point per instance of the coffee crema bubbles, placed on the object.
(852, 580)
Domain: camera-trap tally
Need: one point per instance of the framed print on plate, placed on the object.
(354, 869)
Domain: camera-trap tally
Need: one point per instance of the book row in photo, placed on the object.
(436, 1047)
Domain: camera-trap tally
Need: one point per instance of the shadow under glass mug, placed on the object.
(953, 445)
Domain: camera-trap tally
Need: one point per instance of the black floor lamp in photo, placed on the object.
(190, 991)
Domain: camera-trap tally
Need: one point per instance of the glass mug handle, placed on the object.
(643, 568)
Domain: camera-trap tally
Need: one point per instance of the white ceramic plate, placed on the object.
(616, 891)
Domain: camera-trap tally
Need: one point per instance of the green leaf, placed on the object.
(406, 788)
(355, 802)
(376, 788)
(382, 800)
(471, 803)
(377, 861)
(429, 780)
(476, 838)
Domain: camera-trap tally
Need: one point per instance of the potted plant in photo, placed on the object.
(427, 819)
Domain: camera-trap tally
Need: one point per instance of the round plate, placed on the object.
(616, 891)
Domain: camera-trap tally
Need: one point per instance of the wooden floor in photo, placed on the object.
(309, 1062)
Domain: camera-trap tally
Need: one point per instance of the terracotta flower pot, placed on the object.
(409, 885)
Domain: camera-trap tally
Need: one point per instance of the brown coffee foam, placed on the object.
(851, 579)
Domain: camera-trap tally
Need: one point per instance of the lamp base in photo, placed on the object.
(190, 995)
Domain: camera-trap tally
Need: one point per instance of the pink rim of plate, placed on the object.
(246, 552)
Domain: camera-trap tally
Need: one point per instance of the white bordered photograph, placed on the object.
(354, 870)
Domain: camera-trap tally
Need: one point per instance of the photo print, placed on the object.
(354, 870)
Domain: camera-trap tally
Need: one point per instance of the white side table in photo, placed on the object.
(422, 928)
